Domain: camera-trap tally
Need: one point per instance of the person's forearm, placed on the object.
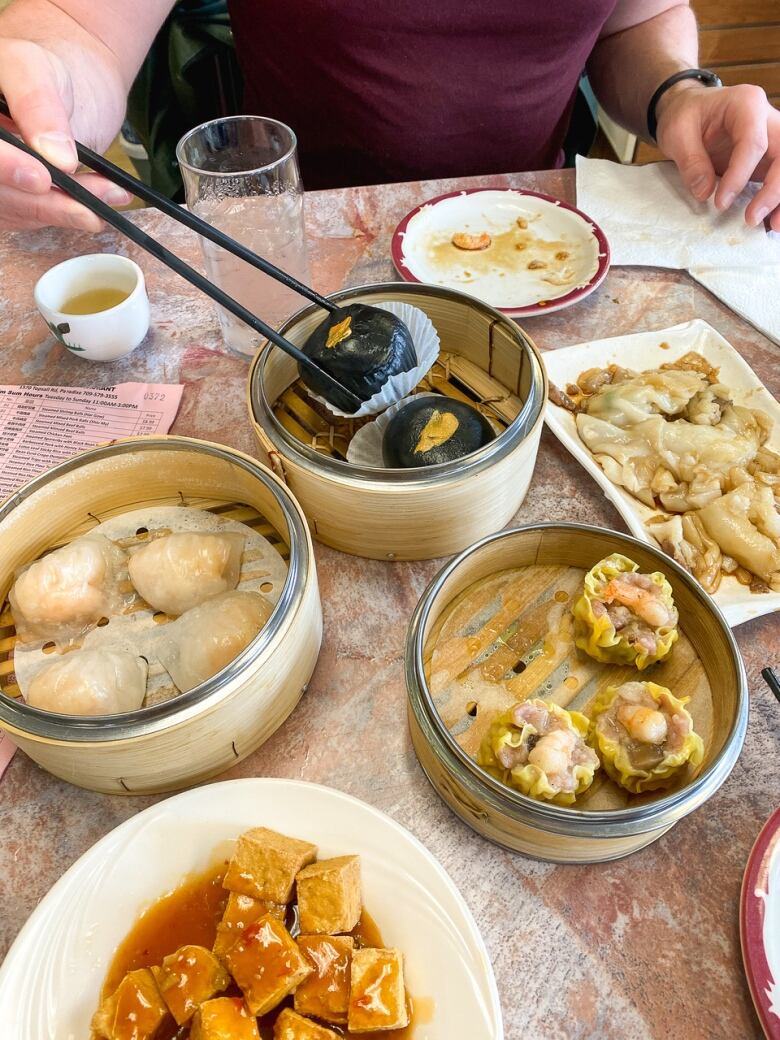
(102, 43)
(628, 65)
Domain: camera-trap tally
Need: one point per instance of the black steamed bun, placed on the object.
(361, 347)
(430, 430)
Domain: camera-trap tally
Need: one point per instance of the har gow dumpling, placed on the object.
(65, 592)
(179, 571)
(90, 682)
(205, 639)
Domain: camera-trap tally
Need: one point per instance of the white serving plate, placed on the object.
(51, 979)
(643, 350)
(511, 288)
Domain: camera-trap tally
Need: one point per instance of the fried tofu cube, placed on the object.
(189, 977)
(329, 896)
(240, 912)
(377, 996)
(325, 993)
(265, 864)
(226, 1018)
(292, 1026)
(134, 1011)
(266, 963)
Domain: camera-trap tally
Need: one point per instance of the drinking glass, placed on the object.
(241, 175)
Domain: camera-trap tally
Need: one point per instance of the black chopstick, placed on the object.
(772, 680)
(151, 245)
(184, 216)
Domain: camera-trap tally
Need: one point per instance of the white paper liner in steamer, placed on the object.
(426, 345)
(137, 631)
(365, 448)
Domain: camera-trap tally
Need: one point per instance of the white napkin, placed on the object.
(651, 220)
(751, 292)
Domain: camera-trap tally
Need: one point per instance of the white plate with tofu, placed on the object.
(640, 352)
(52, 979)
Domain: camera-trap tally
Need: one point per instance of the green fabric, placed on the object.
(189, 76)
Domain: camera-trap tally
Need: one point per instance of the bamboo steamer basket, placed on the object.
(707, 666)
(197, 734)
(486, 360)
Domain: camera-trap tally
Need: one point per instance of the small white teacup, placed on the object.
(103, 335)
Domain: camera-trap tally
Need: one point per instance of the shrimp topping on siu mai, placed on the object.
(624, 617)
(645, 735)
(539, 749)
(642, 597)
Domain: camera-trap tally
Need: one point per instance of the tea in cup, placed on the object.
(96, 305)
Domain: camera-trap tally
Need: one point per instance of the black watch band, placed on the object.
(705, 76)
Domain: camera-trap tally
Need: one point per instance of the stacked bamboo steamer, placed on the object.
(201, 732)
(550, 560)
(486, 360)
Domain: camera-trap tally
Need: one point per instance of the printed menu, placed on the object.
(42, 425)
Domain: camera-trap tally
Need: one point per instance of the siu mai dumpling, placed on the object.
(179, 571)
(624, 617)
(65, 592)
(539, 749)
(205, 639)
(644, 735)
(90, 682)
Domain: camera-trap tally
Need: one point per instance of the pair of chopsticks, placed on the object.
(154, 198)
(772, 680)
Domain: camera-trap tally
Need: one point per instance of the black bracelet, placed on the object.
(709, 79)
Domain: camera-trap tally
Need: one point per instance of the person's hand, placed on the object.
(728, 132)
(40, 94)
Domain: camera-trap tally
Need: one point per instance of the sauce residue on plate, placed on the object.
(190, 915)
(512, 250)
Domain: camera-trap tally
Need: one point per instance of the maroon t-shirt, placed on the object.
(393, 90)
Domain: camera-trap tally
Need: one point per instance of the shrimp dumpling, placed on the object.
(624, 617)
(90, 682)
(65, 592)
(644, 735)
(179, 571)
(205, 639)
(540, 749)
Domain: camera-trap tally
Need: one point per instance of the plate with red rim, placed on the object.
(759, 925)
(51, 979)
(532, 253)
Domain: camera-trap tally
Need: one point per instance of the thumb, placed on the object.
(36, 97)
(680, 139)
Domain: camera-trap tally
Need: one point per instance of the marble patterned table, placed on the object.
(641, 949)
